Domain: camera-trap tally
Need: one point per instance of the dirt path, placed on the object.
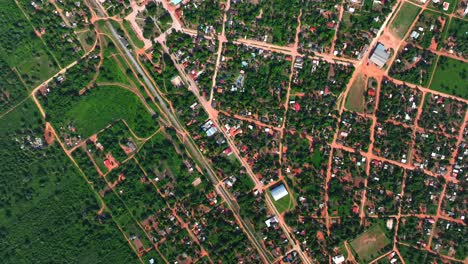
(340, 18)
(60, 11)
(41, 110)
(221, 39)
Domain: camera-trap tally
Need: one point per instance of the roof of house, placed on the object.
(338, 259)
(379, 55)
(279, 192)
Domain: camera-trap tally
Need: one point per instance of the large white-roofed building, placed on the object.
(279, 192)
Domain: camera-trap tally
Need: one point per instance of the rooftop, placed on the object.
(379, 55)
(279, 192)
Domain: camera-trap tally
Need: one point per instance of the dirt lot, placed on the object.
(355, 100)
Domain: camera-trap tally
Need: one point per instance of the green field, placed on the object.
(451, 77)
(368, 244)
(101, 105)
(48, 213)
(404, 19)
(110, 71)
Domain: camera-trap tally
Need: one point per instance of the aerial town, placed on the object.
(234, 131)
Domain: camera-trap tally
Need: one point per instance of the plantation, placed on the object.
(47, 210)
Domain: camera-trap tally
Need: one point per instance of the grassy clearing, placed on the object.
(404, 19)
(37, 69)
(355, 99)
(101, 105)
(369, 243)
(451, 77)
(133, 37)
(47, 211)
(283, 204)
(86, 39)
(111, 71)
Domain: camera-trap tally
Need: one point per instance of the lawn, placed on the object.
(369, 243)
(283, 204)
(47, 211)
(451, 77)
(355, 99)
(101, 105)
(404, 19)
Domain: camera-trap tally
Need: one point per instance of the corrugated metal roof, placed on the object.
(279, 192)
(379, 56)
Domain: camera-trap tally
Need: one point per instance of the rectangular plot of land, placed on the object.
(368, 245)
(404, 19)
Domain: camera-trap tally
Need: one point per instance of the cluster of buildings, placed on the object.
(460, 161)
(209, 128)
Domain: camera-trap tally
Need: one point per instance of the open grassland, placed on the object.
(101, 105)
(404, 19)
(111, 71)
(451, 77)
(47, 211)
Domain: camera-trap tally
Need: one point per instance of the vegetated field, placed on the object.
(355, 99)
(134, 38)
(455, 37)
(369, 243)
(103, 104)
(22, 49)
(404, 19)
(451, 77)
(12, 90)
(47, 211)
(283, 204)
(111, 71)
